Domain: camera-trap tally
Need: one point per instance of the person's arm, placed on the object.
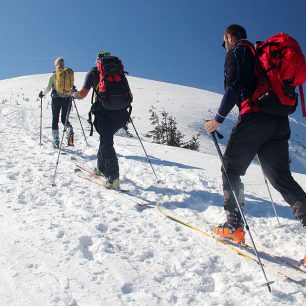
(231, 96)
(81, 94)
(50, 84)
(88, 83)
(229, 100)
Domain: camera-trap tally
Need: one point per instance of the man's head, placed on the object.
(102, 54)
(59, 62)
(232, 34)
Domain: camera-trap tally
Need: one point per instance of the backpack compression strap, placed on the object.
(302, 100)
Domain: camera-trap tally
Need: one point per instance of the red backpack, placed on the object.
(113, 91)
(280, 68)
(113, 88)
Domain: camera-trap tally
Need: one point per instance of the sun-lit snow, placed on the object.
(77, 244)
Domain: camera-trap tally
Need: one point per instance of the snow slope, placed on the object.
(76, 244)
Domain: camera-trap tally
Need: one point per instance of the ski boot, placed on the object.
(55, 139)
(97, 171)
(124, 132)
(228, 231)
(70, 135)
(112, 184)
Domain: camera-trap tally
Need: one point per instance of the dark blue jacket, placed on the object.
(239, 77)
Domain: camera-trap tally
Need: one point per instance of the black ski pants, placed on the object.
(107, 123)
(58, 104)
(267, 136)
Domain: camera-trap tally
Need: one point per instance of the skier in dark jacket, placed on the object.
(255, 133)
(107, 123)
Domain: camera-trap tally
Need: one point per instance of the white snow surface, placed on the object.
(78, 244)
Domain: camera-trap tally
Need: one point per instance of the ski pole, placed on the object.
(80, 120)
(60, 147)
(158, 181)
(40, 121)
(271, 199)
(213, 134)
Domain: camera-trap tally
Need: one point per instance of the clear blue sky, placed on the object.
(174, 41)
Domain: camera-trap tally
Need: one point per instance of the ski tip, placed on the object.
(142, 207)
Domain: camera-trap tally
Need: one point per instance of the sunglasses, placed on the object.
(223, 44)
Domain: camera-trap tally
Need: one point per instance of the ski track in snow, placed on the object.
(76, 244)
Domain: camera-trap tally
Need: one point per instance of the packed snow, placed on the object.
(78, 244)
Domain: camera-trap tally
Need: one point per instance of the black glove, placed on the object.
(41, 94)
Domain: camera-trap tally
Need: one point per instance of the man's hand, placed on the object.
(211, 125)
(41, 95)
(74, 93)
(72, 90)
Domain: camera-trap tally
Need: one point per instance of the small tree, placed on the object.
(173, 135)
(157, 133)
(193, 144)
(166, 132)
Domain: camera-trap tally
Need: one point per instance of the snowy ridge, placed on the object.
(77, 244)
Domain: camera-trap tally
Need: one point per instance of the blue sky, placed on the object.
(168, 40)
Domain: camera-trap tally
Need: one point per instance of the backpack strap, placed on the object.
(129, 111)
(90, 114)
(302, 100)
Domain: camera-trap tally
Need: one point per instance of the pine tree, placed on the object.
(193, 144)
(166, 132)
(156, 134)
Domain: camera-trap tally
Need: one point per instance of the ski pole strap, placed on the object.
(92, 95)
(302, 100)
(129, 111)
(214, 133)
(90, 114)
(90, 122)
(220, 136)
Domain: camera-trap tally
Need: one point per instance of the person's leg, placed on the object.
(245, 140)
(247, 137)
(65, 103)
(116, 120)
(274, 158)
(56, 106)
(66, 107)
(107, 159)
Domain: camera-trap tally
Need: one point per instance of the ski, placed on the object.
(87, 174)
(285, 260)
(96, 180)
(277, 265)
